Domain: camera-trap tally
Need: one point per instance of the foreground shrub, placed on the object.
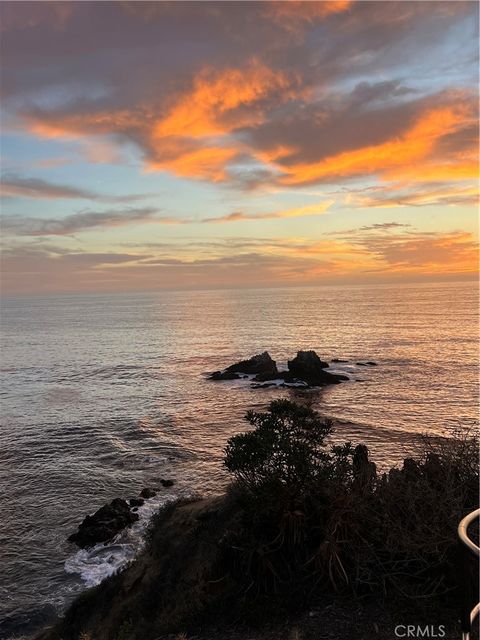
(318, 519)
(285, 451)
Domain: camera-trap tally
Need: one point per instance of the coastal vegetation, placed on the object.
(304, 526)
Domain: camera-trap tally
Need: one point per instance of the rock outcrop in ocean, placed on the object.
(112, 518)
(306, 369)
(261, 365)
(104, 524)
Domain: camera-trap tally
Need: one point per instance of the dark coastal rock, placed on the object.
(167, 483)
(104, 524)
(136, 502)
(369, 363)
(224, 375)
(261, 365)
(263, 385)
(364, 471)
(265, 377)
(308, 367)
(147, 493)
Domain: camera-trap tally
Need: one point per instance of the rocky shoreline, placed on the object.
(112, 518)
(217, 568)
(306, 370)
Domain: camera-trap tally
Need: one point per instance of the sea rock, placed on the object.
(147, 493)
(263, 385)
(364, 471)
(167, 483)
(308, 367)
(136, 502)
(267, 376)
(224, 375)
(104, 524)
(261, 365)
(369, 363)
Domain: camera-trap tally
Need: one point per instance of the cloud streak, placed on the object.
(296, 212)
(362, 255)
(416, 195)
(79, 222)
(17, 187)
(104, 220)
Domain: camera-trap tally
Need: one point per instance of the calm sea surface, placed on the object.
(103, 395)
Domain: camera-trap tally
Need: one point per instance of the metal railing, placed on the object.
(468, 547)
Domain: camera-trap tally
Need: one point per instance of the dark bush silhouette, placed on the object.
(286, 448)
(317, 519)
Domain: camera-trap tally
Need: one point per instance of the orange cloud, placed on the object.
(218, 103)
(191, 138)
(392, 156)
(196, 135)
(201, 112)
(398, 251)
(363, 256)
(205, 162)
(75, 125)
(296, 212)
(291, 13)
(449, 253)
(435, 171)
(408, 194)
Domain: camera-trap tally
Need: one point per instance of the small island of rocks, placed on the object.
(305, 370)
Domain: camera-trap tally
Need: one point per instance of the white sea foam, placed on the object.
(103, 560)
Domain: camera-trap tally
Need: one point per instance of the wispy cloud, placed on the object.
(82, 221)
(87, 220)
(296, 212)
(415, 195)
(12, 185)
(361, 255)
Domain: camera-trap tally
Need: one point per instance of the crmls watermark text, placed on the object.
(418, 631)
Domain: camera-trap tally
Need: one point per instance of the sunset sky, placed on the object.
(202, 145)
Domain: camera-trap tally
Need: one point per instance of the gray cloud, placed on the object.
(12, 185)
(82, 221)
(416, 195)
(384, 226)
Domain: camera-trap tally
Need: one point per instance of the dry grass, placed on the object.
(295, 634)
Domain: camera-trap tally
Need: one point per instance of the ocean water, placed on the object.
(105, 394)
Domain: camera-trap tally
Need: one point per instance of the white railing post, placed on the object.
(467, 614)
